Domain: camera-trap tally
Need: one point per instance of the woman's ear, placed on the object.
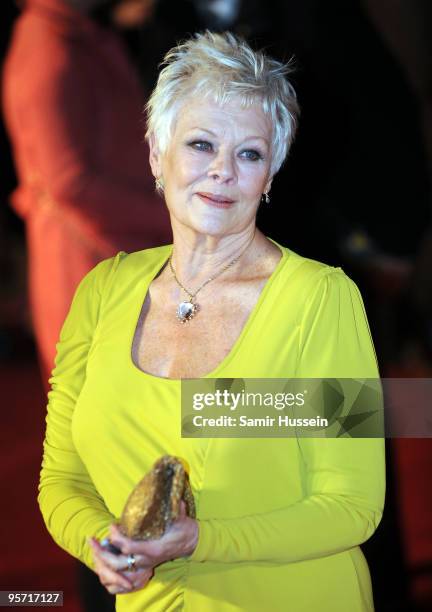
(155, 157)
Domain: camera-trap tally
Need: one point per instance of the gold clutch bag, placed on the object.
(154, 503)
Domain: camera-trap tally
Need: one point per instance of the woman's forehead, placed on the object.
(233, 115)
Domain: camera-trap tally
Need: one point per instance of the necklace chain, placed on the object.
(228, 265)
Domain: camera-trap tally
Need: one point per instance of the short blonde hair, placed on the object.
(224, 67)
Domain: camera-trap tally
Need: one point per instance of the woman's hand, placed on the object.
(179, 540)
(113, 571)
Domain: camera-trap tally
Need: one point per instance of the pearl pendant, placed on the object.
(186, 311)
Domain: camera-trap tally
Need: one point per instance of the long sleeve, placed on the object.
(70, 505)
(344, 478)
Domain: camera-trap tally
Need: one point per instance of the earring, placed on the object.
(159, 184)
(265, 198)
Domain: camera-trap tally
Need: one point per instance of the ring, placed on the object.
(131, 561)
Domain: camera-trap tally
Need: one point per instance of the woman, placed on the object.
(279, 521)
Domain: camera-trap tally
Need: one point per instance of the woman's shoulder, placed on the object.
(140, 263)
(305, 268)
(306, 277)
(144, 261)
(125, 269)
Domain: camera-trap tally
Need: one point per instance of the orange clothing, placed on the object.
(73, 107)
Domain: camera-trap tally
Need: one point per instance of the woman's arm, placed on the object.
(342, 508)
(345, 482)
(72, 508)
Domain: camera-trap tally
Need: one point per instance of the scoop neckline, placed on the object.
(235, 347)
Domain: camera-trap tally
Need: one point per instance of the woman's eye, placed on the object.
(201, 145)
(251, 155)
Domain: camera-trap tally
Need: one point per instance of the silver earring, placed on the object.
(265, 198)
(159, 184)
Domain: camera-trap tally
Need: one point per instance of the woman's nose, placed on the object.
(222, 167)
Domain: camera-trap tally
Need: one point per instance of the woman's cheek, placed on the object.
(252, 183)
(190, 171)
(199, 167)
(254, 172)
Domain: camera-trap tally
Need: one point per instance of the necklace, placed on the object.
(186, 310)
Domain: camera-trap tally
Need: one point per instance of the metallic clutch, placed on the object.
(155, 501)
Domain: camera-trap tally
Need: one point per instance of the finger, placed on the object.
(115, 532)
(183, 512)
(117, 590)
(102, 551)
(120, 563)
(121, 541)
(138, 575)
(117, 538)
(141, 579)
(107, 576)
(117, 562)
(147, 550)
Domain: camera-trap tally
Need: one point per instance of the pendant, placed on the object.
(186, 311)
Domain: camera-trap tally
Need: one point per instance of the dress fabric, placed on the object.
(280, 520)
(73, 109)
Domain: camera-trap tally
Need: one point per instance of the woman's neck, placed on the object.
(197, 257)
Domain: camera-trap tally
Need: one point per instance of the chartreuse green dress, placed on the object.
(281, 519)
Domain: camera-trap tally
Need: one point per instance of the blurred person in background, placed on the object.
(72, 104)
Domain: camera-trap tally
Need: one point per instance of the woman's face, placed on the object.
(216, 167)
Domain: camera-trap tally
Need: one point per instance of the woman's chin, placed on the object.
(211, 224)
(211, 229)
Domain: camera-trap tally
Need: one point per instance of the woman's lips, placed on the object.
(215, 200)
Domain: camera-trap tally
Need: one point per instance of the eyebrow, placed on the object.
(196, 127)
